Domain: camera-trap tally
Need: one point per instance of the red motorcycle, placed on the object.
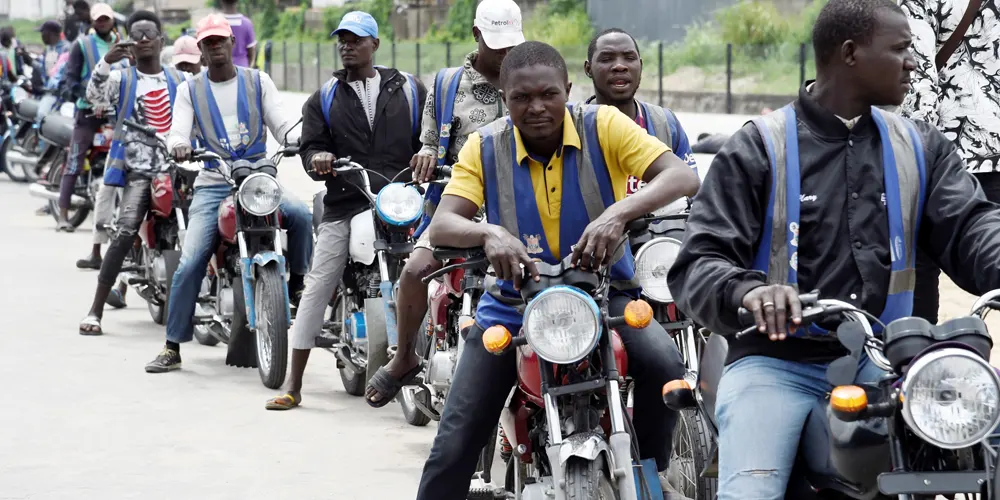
(570, 433)
(155, 256)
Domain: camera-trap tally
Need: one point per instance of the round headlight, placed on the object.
(562, 324)
(260, 194)
(399, 204)
(951, 398)
(652, 262)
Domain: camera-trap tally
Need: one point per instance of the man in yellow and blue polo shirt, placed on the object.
(553, 182)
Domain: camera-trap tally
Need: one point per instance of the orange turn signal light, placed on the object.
(638, 314)
(848, 399)
(674, 385)
(496, 338)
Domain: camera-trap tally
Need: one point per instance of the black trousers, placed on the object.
(131, 212)
(926, 293)
(482, 382)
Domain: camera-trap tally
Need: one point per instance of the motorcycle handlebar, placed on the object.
(144, 129)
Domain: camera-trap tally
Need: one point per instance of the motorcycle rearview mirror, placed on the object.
(842, 371)
(852, 336)
(284, 140)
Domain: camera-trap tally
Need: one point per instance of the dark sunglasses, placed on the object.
(140, 35)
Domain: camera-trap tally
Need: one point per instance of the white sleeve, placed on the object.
(276, 117)
(183, 119)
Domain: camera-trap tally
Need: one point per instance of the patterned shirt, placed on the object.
(477, 102)
(152, 101)
(963, 99)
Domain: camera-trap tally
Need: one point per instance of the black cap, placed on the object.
(52, 26)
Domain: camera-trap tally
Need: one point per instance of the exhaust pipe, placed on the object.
(18, 158)
(39, 191)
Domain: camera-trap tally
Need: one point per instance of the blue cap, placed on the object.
(358, 22)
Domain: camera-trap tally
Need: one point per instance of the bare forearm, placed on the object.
(452, 230)
(673, 182)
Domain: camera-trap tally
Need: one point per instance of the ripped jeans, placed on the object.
(761, 408)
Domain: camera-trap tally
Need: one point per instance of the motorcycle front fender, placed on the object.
(249, 266)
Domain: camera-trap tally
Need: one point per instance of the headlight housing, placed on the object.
(399, 204)
(260, 194)
(562, 324)
(951, 398)
(652, 262)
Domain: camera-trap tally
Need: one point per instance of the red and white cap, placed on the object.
(214, 25)
(186, 51)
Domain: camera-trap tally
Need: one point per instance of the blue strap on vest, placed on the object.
(91, 54)
(254, 148)
(444, 111)
(329, 90)
(899, 304)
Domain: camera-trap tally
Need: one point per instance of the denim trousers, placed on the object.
(201, 241)
(761, 408)
(483, 380)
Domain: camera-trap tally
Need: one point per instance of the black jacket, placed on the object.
(843, 250)
(72, 86)
(387, 149)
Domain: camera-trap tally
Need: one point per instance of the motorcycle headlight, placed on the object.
(951, 398)
(652, 262)
(562, 324)
(399, 204)
(260, 194)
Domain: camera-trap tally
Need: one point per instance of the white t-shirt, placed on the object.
(367, 91)
(276, 119)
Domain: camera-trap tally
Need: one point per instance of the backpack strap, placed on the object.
(326, 93)
(413, 99)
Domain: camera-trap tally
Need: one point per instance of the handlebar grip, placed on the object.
(442, 171)
(148, 131)
(746, 317)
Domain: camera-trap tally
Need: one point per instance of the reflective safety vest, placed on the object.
(92, 54)
(114, 171)
(329, 90)
(904, 172)
(510, 203)
(210, 129)
(446, 84)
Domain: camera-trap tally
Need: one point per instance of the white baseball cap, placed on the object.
(500, 23)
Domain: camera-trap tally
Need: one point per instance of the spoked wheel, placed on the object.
(690, 455)
(31, 144)
(354, 383)
(271, 327)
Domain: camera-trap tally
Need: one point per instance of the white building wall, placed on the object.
(30, 9)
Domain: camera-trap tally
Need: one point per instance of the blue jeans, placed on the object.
(201, 241)
(762, 406)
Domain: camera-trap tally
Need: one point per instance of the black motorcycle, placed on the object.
(923, 429)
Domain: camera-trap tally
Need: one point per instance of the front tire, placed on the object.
(691, 453)
(272, 326)
(588, 480)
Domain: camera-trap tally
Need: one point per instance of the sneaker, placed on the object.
(167, 360)
(45, 210)
(91, 262)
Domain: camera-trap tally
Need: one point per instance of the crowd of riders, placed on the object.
(503, 121)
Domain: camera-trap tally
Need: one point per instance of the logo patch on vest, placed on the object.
(446, 130)
(244, 134)
(794, 229)
(531, 243)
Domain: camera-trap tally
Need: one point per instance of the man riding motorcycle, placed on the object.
(545, 134)
(132, 158)
(372, 116)
(867, 177)
(234, 132)
(479, 79)
(83, 58)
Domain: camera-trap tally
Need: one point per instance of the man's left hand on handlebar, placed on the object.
(181, 152)
(599, 241)
(772, 307)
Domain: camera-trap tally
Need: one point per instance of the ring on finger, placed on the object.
(765, 305)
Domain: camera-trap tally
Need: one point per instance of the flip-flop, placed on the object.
(91, 326)
(386, 387)
(116, 300)
(284, 402)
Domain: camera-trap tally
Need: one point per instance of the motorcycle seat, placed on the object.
(713, 363)
(318, 209)
(27, 109)
(57, 129)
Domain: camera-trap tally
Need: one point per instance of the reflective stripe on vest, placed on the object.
(658, 123)
(329, 90)
(91, 55)
(904, 172)
(446, 84)
(510, 195)
(114, 172)
(210, 128)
